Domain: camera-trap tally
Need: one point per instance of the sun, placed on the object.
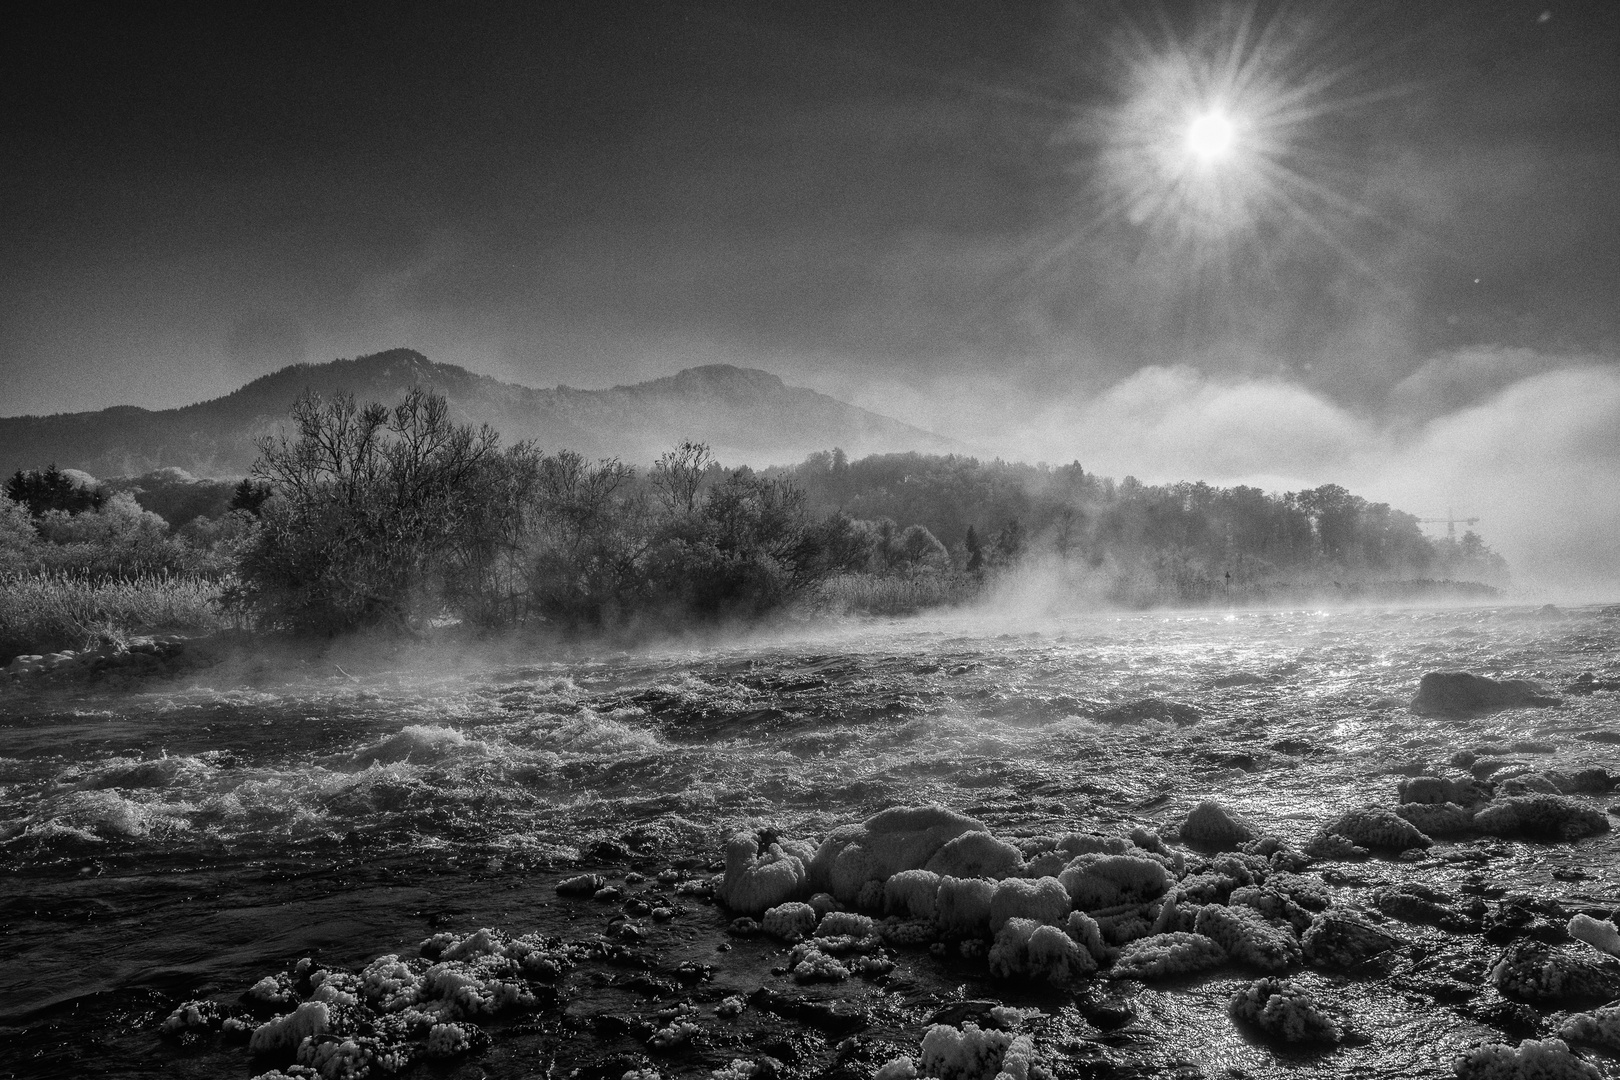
(1211, 136)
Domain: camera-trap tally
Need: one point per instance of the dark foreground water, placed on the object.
(183, 840)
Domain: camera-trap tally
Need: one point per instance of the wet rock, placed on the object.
(582, 885)
(837, 1019)
(1593, 781)
(1588, 683)
(1282, 1012)
(1601, 735)
(903, 838)
(1413, 902)
(1105, 1009)
(1210, 825)
(1342, 941)
(1133, 712)
(1517, 918)
(1544, 817)
(1549, 975)
(1443, 693)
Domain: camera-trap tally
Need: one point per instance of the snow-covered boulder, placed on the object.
(902, 838)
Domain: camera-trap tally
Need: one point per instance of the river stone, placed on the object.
(1338, 939)
(1442, 693)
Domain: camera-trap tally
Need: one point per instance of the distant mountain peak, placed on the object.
(747, 416)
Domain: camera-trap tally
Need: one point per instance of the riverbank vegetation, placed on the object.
(366, 517)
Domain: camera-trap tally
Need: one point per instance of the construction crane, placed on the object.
(1451, 522)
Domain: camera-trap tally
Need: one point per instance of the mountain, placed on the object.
(746, 416)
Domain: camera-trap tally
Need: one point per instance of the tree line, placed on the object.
(362, 516)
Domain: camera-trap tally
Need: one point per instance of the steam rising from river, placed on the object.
(1526, 442)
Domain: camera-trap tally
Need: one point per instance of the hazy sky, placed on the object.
(888, 201)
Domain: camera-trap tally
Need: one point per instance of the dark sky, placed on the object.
(851, 195)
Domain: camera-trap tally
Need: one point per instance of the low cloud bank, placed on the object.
(1527, 443)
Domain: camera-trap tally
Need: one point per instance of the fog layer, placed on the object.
(1528, 443)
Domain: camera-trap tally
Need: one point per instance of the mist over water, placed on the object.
(1528, 443)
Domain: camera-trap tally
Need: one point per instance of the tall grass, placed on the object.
(882, 594)
(53, 611)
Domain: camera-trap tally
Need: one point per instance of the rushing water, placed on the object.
(184, 839)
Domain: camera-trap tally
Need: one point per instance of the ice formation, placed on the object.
(844, 924)
(976, 854)
(789, 922)
(1544, 1059)
(1211, 825)
(1601, 934)
(911, 893)
(1341, 940)
(902, 838)
(1036, 950)
(1167, 955)
(901, 1068)
(1282, 1011)
(1552, 817)
(1078, 843)
(973, 1053)
(283, 1034)
(753, 881)
(1042, 899)
(1248, 937)
(191, 1015)
(963, 906)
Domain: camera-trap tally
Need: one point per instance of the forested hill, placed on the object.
(746, 416)
(1189, 534)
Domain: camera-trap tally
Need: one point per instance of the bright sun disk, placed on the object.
(1210, 137)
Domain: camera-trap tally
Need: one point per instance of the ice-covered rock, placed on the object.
(963, 906)
(1437, 818)
(1164, 956)
(1340, 940)
(1211, 825)
(902, 838)
(1376, 827)
(1283, 1012)
(911, 894)
(1273, 905)
(192, 1016)
(845, 924)
(1545, 817)
(1544, 975)
(1079, 843)
(1442, 693)
(808, 963)
(976, 854)
(1601, 934)
(756, 881)
(1026, 948)
(1044, 899)
(900, 1068)
(1101, 881)
(1088, 935)
(1439, 789)
(1248, 937)
(1600, 1027)
(1533, 1059)
(790, 922)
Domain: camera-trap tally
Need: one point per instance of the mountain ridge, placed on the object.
(746, 415)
